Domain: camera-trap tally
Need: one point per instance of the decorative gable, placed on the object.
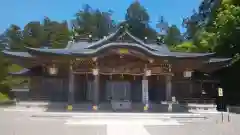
(125, 37)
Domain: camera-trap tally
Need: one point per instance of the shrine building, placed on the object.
(116, 69)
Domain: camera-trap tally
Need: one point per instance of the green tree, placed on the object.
(92, 22)
(3, 41)
(58, 34)
(15, 37)
(138, 20)
(186, 46)
(173, 36)
(220, 34)
(3, 65)
(32, 34)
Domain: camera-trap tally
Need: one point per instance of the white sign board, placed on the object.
(220, 92)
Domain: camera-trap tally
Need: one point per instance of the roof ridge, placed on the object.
(112, 35)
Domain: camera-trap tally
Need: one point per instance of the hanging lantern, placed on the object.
(148, 73)
(187, 74)
(150, 60)
(53, 70)
(95, 71)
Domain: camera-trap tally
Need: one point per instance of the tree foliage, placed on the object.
(216, 29)
(138, 20)
(93, 22)
(173, 36)
(15, 36)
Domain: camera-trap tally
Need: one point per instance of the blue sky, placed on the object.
(21, 12)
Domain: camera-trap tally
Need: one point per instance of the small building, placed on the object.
(119, 67)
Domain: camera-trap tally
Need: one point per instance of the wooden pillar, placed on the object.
(96, 88)
(145, 95)
(145, 90)
(168, 84)
(71, 86)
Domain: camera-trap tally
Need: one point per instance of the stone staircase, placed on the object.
(135, 107)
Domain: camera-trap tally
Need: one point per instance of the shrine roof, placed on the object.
(34, 71)
(175, 54)
(24, 71)
(17, 54)
(216, 60)
(122, 38)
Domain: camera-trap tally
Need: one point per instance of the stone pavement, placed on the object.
(37, 122)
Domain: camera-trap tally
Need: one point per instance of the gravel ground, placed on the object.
(22, 123)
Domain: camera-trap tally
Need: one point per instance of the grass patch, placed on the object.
(4, 97)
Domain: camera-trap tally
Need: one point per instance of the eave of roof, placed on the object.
(214, 64)
(33, 71)
(17, 54)
(22, 72)
(95, 52)
(217, 60)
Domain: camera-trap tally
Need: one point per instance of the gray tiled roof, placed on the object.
(106, 40)
(215, 60)
(78, 45)
(18, 54)
(84, 48)
(21, 72)
(86, 52)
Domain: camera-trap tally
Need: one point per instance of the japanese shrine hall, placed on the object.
(118, 67)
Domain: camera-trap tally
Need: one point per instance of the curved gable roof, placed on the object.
(95, 52)
(113, 38)
(94, 48)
